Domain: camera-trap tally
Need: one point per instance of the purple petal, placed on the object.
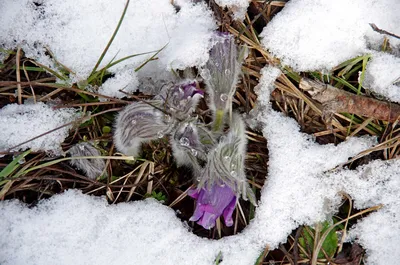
(194, 193)
(220, 196)
(198, 213)
(190, 89)
(228, 212)
(208, 220)
(212, 203)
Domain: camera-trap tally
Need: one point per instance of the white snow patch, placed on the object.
(238, 7)
(72, 228)
(125, 80)
(383, 76)
(296, 162)
(266, 85)
(370, 185)
(318, 34)
(77, 32)
(19, 123)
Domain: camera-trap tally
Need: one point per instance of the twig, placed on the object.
(295, 246)
(27, 77)
(18, 73)
(335, 100)
(381, 31)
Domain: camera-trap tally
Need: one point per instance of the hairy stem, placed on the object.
(218, 120)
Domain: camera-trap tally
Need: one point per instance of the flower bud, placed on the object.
(181, 99)
(187, 148)
(225, 163)
(93, 168)
(221, 72)
(140, 122)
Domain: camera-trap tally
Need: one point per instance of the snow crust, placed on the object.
(77, 32)
(373, 184)
(125, 80)
(319, 34)
(19, 123)
(383, 76)
(238, 7)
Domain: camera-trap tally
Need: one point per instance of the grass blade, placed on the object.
(13, 165)
(151, 58)
(112, 38)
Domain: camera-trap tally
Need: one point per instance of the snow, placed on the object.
(238, 7)
(125, 80)
(20, 123)
(318, 34)
(377, 183)
(76, 229)
(383, 76)
(77, 32)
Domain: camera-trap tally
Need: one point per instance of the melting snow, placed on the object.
(124, 80)
(238, 7)
(310, 35)
(19, 123)
(79, 229)
(383, 75)
(318, 35)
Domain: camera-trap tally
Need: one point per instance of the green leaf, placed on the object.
(329, 245)
(218, 259)
(13, 165)
(159, 196)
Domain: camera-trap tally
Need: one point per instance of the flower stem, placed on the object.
(219, 120)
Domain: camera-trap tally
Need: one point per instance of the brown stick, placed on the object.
(18, 73)
(381, 31)
(335, 100)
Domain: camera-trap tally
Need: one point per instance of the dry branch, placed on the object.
(335, 100)
(381, 31)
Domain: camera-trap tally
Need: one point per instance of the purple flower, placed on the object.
(225, 162)
(190, 89)
(181, 99)
(212, 203)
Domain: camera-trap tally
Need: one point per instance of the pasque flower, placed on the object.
(181, 99)
(187, 147)
(212, 203)
(216, 155)
(145, 121)
(222, 180)
(221, 72)
(225, 162)
(137, 123)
